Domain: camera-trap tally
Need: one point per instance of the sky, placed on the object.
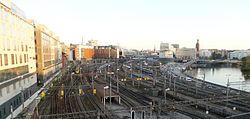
(144, 24)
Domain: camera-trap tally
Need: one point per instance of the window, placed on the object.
(12, 59)
(22, 46)
(21, 59)
(8, 89)
(14, 86)
(16, 58)
(27, 58)
(20, 83)
(1, 64)
(24, 58)
(1, 93)
(26, 47)
(4, 111)
(5, 59)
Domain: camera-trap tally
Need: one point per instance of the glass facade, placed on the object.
(13, 72)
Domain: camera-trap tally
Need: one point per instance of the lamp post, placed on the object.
(131, 76)
(71, 78)
(227, 86)
(165, 94)
(117, 82)
(110, 87)
(92, 80)
(106, 87)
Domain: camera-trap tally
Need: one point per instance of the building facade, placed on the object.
(82, 52)
(168, 51)
(49, 54)
(17, 61)
(239, 54)
(205, 54)
(105, 52)
(186, 53)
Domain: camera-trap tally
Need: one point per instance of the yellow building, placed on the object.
(49, 54)
(17, 60)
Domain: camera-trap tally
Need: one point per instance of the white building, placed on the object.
(186, 53)
(239, 54)
(205, 53)
(167, 50)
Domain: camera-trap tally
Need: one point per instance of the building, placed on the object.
(65, 54)
(82, 52)
(205, 54)
(167, 50)
(105, 52)
(186, 53)
(17, 61)
(130, 53)
(239, 54)
(176, 46)
(49, 54)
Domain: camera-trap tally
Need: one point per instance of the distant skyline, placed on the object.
(143, 24)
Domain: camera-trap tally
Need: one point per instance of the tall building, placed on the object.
(167, 50)
(17, 61)
(49, 54)
(197, 46)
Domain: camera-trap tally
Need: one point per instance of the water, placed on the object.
(221, 75)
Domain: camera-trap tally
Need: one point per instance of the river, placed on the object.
(221, 75)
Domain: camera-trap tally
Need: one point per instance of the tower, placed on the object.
(197, 48)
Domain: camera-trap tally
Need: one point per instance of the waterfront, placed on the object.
(221, 75)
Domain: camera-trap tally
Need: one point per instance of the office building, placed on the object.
(17, 61)
(49, 54)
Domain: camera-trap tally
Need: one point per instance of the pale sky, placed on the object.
(143, 24)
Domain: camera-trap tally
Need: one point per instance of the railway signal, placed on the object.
(62, 92)
(81, 92)
(94, 91)
(43, 94)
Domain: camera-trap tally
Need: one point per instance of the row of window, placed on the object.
(13, 87)
(7, 74)
(12, 45)
(5, 110)
(4, 60)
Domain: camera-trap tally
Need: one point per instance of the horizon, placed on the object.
(144, 24)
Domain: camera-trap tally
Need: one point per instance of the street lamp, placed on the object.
(165, 95)
(131, 76)
(117, 82)
(71, 78)
(110, 87)
(228, 75)
(106, 87)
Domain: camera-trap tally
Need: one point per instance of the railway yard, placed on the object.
(136, 89)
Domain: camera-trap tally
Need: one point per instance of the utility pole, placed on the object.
(131, 76)
(117, 79)
(164, 90)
